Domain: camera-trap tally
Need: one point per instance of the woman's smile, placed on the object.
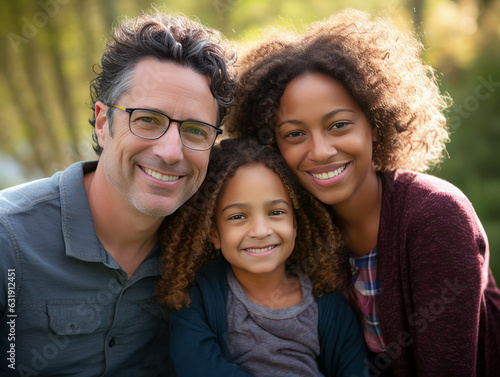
(325, 138)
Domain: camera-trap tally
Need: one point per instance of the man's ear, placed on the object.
(214, 237)
(101, 122)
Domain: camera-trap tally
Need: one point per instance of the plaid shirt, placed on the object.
(367, 287)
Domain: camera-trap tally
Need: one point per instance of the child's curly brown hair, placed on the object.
(185, 234)
(380, 66)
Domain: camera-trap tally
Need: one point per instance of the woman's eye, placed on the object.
(338, 125)
(294, 134)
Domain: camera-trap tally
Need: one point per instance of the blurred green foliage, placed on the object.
(49, 48)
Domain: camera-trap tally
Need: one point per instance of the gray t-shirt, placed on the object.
(273, 342)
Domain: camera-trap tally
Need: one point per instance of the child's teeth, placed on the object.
(258, 251)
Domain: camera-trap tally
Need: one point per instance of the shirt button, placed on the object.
(112, 342)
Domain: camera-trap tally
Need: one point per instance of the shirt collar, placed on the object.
(78, 228)
(79, 234)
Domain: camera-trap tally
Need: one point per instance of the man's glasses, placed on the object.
(151, 124)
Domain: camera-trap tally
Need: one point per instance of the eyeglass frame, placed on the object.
(130, 110)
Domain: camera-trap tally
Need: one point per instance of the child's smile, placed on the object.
(255, 222)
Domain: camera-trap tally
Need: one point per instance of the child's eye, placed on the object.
(277, 212)
(236, 217)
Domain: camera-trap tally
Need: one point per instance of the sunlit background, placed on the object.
(48, 49)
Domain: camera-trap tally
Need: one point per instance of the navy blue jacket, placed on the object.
(198, 343)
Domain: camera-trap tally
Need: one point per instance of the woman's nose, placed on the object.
(322, 148)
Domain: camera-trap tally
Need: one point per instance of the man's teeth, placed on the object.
(160, 176)
(258, 251)
(329, 174)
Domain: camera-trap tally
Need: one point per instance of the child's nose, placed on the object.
(260, 229)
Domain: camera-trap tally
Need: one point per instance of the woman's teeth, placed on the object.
(329, 174)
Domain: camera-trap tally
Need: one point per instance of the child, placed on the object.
(358, 116)
(255, 311)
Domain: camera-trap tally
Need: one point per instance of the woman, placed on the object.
(358, 116)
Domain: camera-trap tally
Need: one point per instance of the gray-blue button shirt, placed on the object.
(66, 306)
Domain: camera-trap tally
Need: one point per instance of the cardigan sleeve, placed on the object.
(342, 346)
(196, 348)
(448, 264)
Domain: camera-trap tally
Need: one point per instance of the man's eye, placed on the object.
(147, 120)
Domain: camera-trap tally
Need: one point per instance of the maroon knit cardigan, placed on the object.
(439, 308)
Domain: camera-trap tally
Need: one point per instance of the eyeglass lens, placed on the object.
(151, 125)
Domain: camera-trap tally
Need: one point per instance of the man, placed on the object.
(79, 252)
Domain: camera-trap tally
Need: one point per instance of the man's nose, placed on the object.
(169, 147)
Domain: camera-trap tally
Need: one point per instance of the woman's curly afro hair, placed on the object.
(379, 65)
